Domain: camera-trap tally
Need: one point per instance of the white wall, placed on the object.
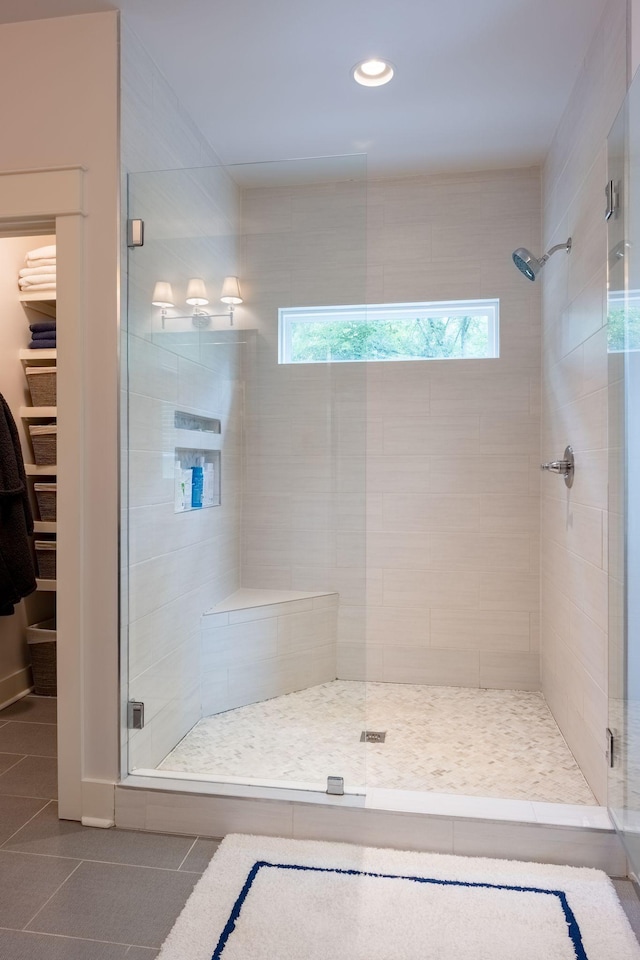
(446, 452)
(15, 674)
(574, 379)
(67, 70)
(176, 566)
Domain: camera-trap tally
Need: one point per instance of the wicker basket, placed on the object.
(42, 385)
(41, 639)
(44, 439)
(46, 557)
(46, 495)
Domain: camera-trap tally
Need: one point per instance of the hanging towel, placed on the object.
(17, 574)
(42, 253)
(45, 262)
(43, 326)
(43, 344)
(37, 280)
(32, 271)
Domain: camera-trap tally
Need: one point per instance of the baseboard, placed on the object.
(97, 822)
(98, 803)
(15, 687)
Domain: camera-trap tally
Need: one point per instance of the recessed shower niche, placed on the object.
(197, 462)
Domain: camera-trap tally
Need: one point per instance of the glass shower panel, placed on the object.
(246, 478)
(624, 477)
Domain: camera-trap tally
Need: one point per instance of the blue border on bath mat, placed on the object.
(573, 930)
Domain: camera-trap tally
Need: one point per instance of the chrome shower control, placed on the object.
(565, 467)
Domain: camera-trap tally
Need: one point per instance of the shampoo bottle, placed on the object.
(208, 484)
(178, 489)
(186, 488)
(197, 484)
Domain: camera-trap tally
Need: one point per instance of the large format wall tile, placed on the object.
(420, 476)
(574, 381)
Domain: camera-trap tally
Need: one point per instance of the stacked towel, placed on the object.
(40, 271)
(43, 335)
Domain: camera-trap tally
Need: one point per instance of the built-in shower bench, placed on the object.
(258, 644)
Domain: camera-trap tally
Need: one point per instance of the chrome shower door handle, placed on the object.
(564, 468)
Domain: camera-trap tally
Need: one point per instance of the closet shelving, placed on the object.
(40, 302)
(41, 358)
(38, 413)
(49, 585)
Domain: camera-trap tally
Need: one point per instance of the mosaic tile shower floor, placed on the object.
(489, 743)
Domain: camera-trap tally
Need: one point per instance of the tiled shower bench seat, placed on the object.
(258, 644)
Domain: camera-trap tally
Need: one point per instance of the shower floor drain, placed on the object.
(373, 736)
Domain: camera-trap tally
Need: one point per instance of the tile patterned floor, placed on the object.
(69, 892)
(490, 743)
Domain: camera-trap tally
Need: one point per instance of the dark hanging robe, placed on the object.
(17, 574)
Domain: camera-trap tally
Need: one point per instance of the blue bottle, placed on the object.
(197, 485)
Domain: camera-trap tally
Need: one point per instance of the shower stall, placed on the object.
(331, 563)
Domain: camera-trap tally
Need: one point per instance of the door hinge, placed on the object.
(611, 754)
(135, 715)
(135, 233)
(611, 192)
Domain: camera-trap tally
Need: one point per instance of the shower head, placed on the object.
(531, 266)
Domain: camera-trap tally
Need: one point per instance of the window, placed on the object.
(623, 327)
(448, 330)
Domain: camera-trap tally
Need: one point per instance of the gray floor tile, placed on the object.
(36, 946)
(141, 953)
(9, 760)
(26, 883)
(629, 900)
(105, 901)
(37, 739)
(32, 777)
(32, 710)
(15, 812)
(200, 856)
(67, 838)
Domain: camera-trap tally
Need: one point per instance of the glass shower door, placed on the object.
(246, 479)
(624, 476)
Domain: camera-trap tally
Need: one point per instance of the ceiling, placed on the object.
(479, 84)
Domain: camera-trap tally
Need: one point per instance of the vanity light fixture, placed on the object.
(197, 298)
(197, 293)
(162, 297)
(373, 72)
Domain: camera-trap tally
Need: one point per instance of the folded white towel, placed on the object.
(38, 286)
(44, 262)
(34, 271)
(36, 279)
(41, 253)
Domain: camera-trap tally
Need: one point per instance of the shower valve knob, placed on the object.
(565, 468)
(557, 466)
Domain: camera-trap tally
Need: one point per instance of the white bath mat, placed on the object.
(268, 899)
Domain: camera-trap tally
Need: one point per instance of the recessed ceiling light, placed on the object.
(373, 73)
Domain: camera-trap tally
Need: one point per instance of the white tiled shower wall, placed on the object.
(441, 585)
(178, 564)
(574, 379)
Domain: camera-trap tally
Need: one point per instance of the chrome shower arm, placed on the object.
(558, 246)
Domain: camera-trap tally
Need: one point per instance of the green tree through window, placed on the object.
(389, 332)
